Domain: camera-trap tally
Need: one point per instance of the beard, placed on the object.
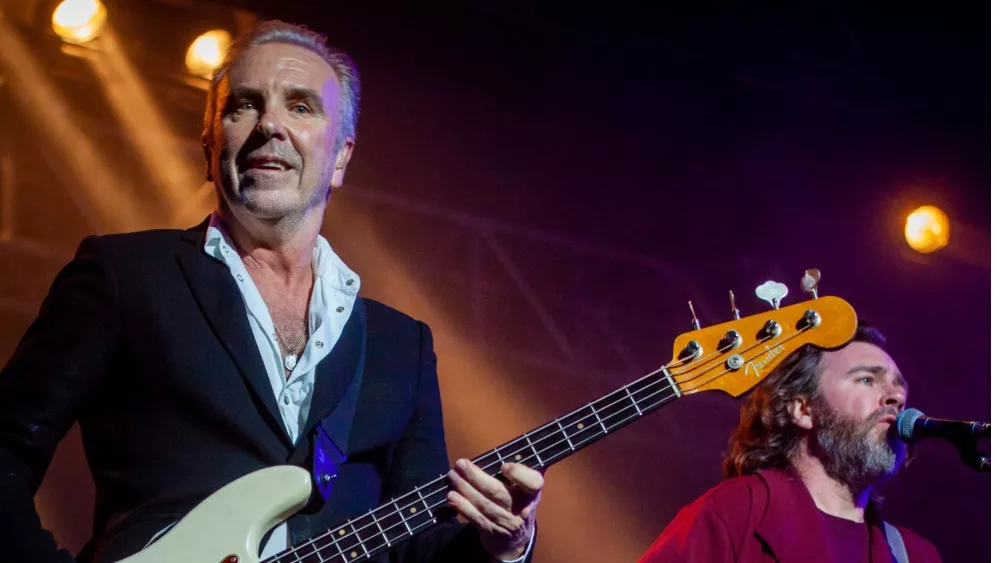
(854, 451)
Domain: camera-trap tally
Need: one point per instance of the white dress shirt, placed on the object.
(335, 290)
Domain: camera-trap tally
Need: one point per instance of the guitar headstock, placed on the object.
(735, 356)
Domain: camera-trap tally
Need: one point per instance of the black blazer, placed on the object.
(145, 341)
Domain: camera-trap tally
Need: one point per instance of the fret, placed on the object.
(329, 552)
(488, 467)
(421, 495)
(437, 498)
(301, 557)
(534, 452)
(550, 443)
(614, 409)
(338, 557)
(372, 538)
(399, 512)
(634, 404)
(390, 522)
(381, 530)
(565, 435)
(423, 519)
(344, 540)
(416, 511)
(354, 554)
(583, 427)
(332, 550)
(593, 410)
(430, 501)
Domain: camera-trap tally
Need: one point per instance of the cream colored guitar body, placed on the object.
(228, 526)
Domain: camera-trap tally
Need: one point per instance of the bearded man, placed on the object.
(815, 442)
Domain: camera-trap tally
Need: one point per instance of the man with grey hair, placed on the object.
(192, 358)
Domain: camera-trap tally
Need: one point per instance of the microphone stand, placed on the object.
(974, 458)
(971, 455)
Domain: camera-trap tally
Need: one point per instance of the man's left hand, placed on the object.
(504, 514)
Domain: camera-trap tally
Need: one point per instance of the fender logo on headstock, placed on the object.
(760, 364)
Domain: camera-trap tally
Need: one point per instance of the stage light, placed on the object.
(207, 52)
(927, 229)
(79, 21)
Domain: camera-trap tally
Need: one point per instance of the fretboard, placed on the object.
(403, 517)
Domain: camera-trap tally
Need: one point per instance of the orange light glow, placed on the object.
(927, 229)
(207, 52)
(79, 21)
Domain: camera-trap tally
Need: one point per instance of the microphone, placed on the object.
(912, 425)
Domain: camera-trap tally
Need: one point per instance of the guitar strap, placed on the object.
(330, 439)
(896, 545)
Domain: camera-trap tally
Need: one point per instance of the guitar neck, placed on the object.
(398, 520)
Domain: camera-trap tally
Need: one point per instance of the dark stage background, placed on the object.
(547, 184)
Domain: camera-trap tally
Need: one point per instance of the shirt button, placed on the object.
(239, 277)
(319, 343)
(286, 400)
(340, 309)
(350, 282)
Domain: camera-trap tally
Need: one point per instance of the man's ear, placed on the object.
(801, 412)
(340, 166)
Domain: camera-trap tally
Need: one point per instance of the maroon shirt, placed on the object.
(848, 540)
(771, 517)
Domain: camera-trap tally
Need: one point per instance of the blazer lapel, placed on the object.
(220, 301)
(335, 372)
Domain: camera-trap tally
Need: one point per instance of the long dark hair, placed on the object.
(766, 437)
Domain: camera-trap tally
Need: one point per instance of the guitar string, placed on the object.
(537, 455)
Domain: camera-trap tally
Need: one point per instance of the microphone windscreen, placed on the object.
(906, 421)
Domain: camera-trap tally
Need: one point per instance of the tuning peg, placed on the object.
(694, 318)
(732, 304)
(810, 282)
(772, 292)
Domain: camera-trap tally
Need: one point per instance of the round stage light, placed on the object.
(927, 229)
(79, 21)
(207, 52)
